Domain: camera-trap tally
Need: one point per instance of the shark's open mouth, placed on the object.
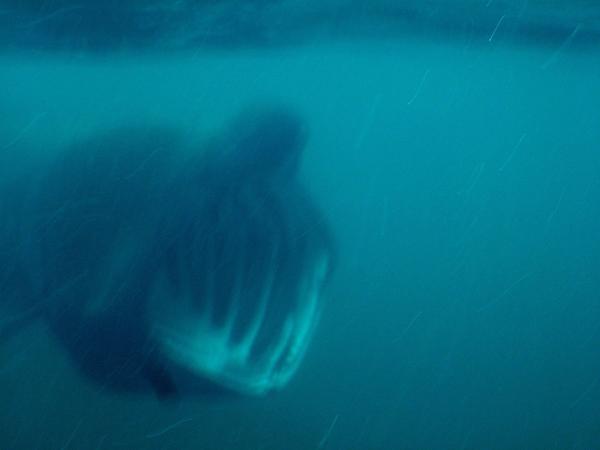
(238, 297)
(251, 351)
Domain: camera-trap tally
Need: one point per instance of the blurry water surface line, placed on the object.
(173, 24)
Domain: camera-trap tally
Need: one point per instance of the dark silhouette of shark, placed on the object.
(170, 267)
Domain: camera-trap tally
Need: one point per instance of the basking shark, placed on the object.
(161, 265)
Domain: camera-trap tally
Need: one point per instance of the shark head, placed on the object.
(240, 290)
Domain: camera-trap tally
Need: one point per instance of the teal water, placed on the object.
(463, 185)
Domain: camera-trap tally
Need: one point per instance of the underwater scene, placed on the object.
(285, 224)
